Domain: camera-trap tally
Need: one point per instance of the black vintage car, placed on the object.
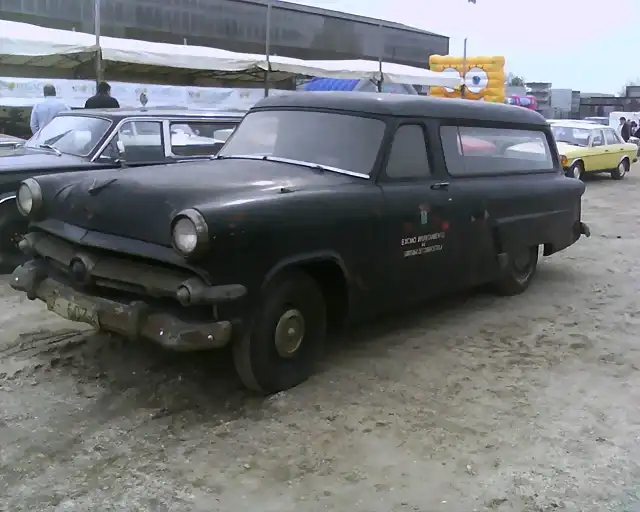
(104, 139)
(321, 208)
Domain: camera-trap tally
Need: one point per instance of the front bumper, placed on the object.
(131, 319)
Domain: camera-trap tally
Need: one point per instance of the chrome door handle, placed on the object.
(440, 186)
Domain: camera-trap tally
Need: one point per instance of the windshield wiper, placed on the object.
(290, 161)
(275, 159)
(49, 146)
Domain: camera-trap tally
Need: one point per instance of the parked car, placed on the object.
(597, 120)
(322, 208)
(104, 139)
(593, 148)
(9, 142)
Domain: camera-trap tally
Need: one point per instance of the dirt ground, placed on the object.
(477, 403)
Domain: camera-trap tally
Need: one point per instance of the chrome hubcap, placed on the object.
(622, 168)
(289, 333)
(521, 261)
(576, 172)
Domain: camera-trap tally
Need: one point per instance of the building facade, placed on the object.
(541, 91)
(239, 25)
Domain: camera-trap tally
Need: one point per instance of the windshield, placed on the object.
(571, 135)
(74, 135)
(347, 142)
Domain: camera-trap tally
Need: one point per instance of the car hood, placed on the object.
(23, 159)
(140, 203)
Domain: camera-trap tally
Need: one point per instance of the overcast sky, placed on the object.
(579, 44)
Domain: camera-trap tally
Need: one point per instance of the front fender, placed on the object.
(309, 257)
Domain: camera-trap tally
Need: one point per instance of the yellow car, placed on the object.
(586, 147)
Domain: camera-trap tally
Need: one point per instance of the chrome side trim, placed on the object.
(7, 199)
(311, 165)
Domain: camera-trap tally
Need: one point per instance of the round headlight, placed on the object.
(29, 198)
(190, 232)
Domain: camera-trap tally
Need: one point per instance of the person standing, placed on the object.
(624, 130)
(102, 98)
(43, 112)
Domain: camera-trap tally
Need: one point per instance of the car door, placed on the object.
(615, 149)
(142, 140)
(597, 158)
(422, 248)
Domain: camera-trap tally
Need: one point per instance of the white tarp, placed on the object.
(31, 45)
(26, 92)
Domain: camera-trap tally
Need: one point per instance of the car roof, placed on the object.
(156, 112)
(405, 105)
(586, 125)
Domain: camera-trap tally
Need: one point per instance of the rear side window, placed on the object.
(470, 151)
(408, 157)
(611, 137)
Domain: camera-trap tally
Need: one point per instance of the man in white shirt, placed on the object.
(47, 109)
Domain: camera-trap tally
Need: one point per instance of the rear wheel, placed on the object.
(621, 171)
(521, 268)
(576, 171)
(13, 227)
(287, 335)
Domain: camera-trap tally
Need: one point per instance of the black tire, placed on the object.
(12, 227)
(621, 171)
(258, 362)
(576, 171)
(518, 275)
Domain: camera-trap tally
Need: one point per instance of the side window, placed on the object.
(597, 139)
(142, 141)
(611, 137)
(470, 151)
(408, 156)
(195, 138)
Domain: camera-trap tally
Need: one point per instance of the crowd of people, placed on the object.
(44, 111)
(627, 129)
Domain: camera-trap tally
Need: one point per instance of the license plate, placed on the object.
(74, 311)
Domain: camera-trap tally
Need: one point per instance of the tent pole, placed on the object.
(267, 49)
(464, 69)
(96, 24)
(380, 51)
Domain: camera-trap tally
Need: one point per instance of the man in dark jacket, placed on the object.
(625, 131)
(103, 98)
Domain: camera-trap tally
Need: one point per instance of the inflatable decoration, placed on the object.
(522, 101)
(483, 77)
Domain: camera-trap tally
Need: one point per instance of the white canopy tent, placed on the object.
(38, 52)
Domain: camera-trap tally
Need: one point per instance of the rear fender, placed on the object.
(550, 227)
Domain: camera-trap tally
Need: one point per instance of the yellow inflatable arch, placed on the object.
(483, 77)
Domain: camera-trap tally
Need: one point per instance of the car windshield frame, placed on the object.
(335, 152)
(37, 142)
(555, 126)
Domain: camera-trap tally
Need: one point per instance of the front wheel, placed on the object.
(520, 270)
(621, 171)
(13, 227)
(576, 171)
(287, 335)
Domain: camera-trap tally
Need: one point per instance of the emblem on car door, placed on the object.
(424, 214)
